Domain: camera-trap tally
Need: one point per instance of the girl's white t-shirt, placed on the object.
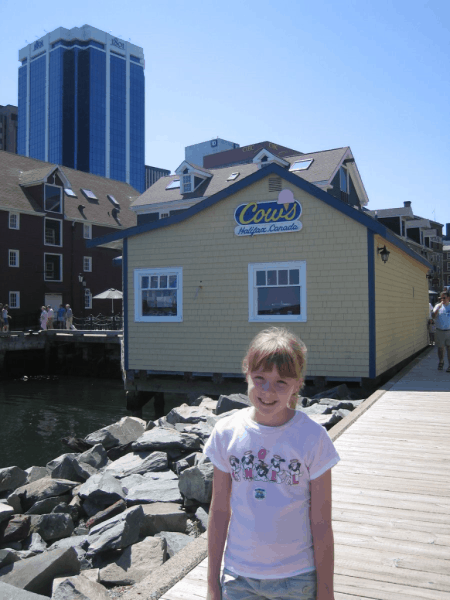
(269, 536)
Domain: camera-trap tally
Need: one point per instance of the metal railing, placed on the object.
(98, 323)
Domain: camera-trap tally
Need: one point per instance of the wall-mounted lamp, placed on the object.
(81, 279)
(384, 253)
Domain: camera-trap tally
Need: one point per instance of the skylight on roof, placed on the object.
(70, 192)
(233, 176)
(113, 201)
(301, 165)
(89, 194)
(173, 184)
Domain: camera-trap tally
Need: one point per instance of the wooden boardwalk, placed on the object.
(391, 497)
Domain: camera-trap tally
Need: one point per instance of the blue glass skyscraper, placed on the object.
(81, 103)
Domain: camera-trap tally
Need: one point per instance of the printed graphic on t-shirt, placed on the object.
(264, 467)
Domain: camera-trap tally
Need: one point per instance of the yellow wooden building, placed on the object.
(269, 249)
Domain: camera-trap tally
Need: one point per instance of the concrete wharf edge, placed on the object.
(174, 570)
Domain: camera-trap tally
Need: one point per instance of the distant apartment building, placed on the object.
(194, 154)
(81, 103)
(8, 128)
(152, 174)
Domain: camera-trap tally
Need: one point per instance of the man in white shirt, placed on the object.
(441, 316)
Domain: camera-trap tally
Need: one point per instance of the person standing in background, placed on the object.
(441, 317)
(43, 318)
(69, 317)
(51, 316)
(61, 316)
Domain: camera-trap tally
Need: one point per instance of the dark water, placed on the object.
(36, 413)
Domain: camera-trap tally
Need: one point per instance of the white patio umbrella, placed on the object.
(110, 294)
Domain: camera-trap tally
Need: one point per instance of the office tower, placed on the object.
(152, 174)
(81, 103)
(8, 128)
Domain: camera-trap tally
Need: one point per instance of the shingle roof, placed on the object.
(403, 211)
(322, 168)
(17, 171)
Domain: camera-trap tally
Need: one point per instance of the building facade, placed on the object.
(81, 103)
(8, 128)
(196, 152)
(152, 174)
(47, 214)
(263, 246)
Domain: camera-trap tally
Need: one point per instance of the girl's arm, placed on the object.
(322, 534)
(219, 518)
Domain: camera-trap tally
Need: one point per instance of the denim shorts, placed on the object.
(298, 587)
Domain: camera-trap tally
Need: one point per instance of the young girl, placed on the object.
(271, 499)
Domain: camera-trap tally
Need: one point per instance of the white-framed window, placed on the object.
(448, 255)
(14, 299)
(448, 266)
(52, 232)
(448, 279)
(87, 264)
(52, 198)
(87, 231)
(277, 291)
(13, 258)
(53, 267)
(163, 215)
(158, 295)
(187, 184)
(14, 220)
(87, 298)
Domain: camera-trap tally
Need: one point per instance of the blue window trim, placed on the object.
(371, 291)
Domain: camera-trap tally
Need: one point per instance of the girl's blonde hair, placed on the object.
(280, 348)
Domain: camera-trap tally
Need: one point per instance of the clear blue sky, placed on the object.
(308, 75)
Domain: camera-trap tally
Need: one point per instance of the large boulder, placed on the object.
(165, 439)
(15, 530)
(232, 402)
(141, 489)
(12, 478)
(163, 516)
(116, 533)
(34, 543)
(6, 511)
(44, 507)
(62, 468)
(175, 541)
(124, 431)
(35, 473)
(195, 483)
(7, 557)
(52, 527)
(135, 563)
(78, 588)
(201, 430)
(136, 463)
(43, 488)
(9, 592)
(37, 573)
(90, 462)
(101, 489)
(188, 414)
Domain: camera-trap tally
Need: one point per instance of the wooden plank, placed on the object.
(407, 548)
(438, 490)
(389, 499)
(384, 590)
(386, 532)
(391, 557)
(373, 515)
(375, 571)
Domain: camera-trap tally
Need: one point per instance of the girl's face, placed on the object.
(271, 395)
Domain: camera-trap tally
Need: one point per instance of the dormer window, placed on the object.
(187, 187)
(53, 198)
(265, 158)
(344, 180)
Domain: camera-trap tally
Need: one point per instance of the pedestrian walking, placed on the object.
(51, 316)
(441, 316)
(69, 317)
(43, 318)
(271, 500)
(61, 316)
(5, 318)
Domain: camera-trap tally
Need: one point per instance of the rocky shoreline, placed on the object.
(98, 520)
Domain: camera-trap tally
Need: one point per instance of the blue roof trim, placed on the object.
(372, 318)
(272, 169)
